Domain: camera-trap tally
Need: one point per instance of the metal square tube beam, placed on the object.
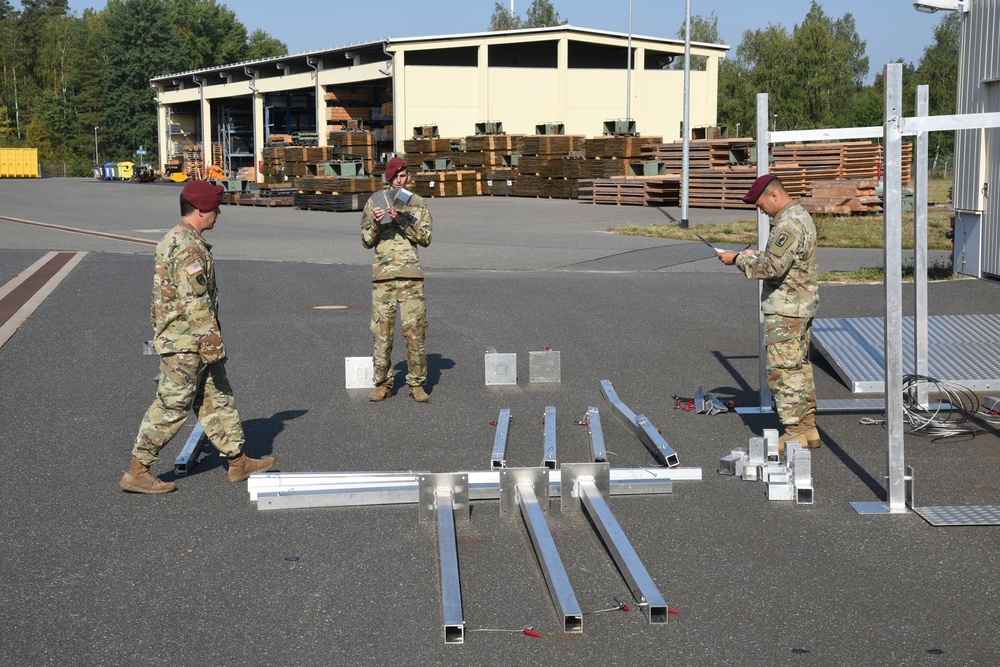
(447, 495)
(518, 487)
(595, 433)
(549, 452)
(641, 427)
(188, 457)
(498, 460)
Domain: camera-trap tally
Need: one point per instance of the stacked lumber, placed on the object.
(842, 197)
(548, 165)
(456, 183)
(489, 154)
(345, 105)
(633, 190)
(618, 147)
(702, 153)
(500, 184)
(335, 193)
(194, 161)
(417, 151)
(332, 201)
(354, 142)
(273, 159)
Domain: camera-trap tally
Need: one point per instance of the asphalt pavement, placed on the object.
(96, 576)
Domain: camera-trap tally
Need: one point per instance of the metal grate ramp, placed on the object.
(960, 515)
(961, 349)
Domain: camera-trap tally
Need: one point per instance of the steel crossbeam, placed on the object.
(588, 492)
(273, 491)
(549, 452)
(641, 427)
(498, 460)
(188, 457)
(526, 489)
(595, 432)
(442, 497)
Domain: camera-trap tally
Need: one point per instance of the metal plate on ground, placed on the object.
(455, 482)
(544, 366)
(511, 478)
(960, 515)
(501, 368)
(359, 373)
(855, 348)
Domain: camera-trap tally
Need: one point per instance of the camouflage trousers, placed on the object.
(186, 384)
(409, 294)
(789, 373)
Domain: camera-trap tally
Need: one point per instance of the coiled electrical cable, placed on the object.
(949, 418)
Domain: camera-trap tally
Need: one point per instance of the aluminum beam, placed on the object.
(641, 427)
(188, 458)
(595, 433)
(274, 491)
(589, 491)
(443, 496)
(549, 452)
(498, 460)
(527, 489)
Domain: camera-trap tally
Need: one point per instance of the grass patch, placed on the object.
(835, 231)
(875, 274)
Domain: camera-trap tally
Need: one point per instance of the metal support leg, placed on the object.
(442, 496)
(549, 455)
(500, 440)
(641, 427)
(527, 489)
(188, 458)
(589, 490)
(595, 432)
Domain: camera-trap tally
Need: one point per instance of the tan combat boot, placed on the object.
(382, 392)
(241, 466)
(138, 480)
(813, 440)
(793, 433)
(419, 395)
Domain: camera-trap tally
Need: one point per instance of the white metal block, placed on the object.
(769, 470)
(777, 491)
(757, 450)
(544, 366)
(359, 373)
(751, 472)
(771, 439)
(501, 368)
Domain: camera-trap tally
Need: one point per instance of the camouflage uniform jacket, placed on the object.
(396, 246)
(788, 265)
(185, 310)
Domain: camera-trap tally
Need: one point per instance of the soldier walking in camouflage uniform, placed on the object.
(397, 278)
(185, 317)
(788, 267)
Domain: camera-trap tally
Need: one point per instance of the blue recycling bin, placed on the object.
(108, 170)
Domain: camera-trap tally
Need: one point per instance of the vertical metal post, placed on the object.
(763, 229)
(893, 284)
(628, 68)
(920, 334)
(686, 138)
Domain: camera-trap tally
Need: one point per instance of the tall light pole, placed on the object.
(686, 138)
(96, 159)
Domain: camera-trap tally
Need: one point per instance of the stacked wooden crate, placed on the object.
(492, 155)
(842, 197)
(343, 105)
(336, 193)
(355, 142)
(194, 161)
(428, 149)
(451, 183)
(546, 148)
(610, 159)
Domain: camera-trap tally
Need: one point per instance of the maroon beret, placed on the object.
(757, 189)
(396, 165)
(203, 195)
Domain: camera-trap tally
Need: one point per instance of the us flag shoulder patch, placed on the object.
(194, 268)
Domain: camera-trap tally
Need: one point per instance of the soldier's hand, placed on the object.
(727, 258)
(378, 214)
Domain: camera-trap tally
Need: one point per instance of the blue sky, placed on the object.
(891, 28)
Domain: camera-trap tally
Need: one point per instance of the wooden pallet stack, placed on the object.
(492, 156)
(424, 149)
(702, 153)
(539, 151)
(452, 183)
(194, 161)
(344, 105)
(273, 167)
(355, 142)
(336, 193)
(618, 152)
(842, 197)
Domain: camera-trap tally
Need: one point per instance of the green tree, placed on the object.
(541, 14)
(938, 68)
(703, 29)
(504, 19)
(262, 45)
(208, 34)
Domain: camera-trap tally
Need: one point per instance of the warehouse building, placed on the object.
(520, 79)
